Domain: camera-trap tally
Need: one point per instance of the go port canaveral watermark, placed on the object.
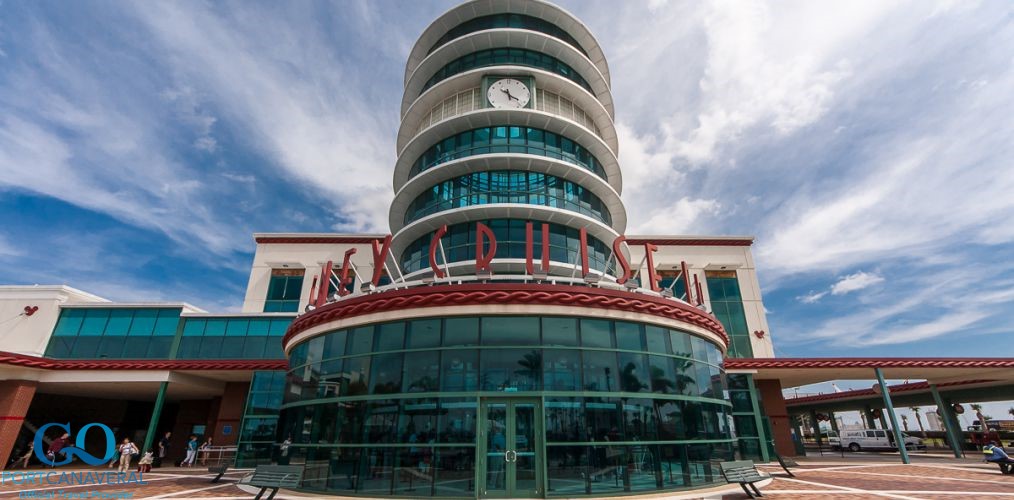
(39, 484)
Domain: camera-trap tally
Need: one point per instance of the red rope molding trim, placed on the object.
(15, 359)
(502, 293)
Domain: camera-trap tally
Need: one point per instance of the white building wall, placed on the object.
(29, 335)
(308, 256)
(715, 257)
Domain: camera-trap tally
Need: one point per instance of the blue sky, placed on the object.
(867, 145)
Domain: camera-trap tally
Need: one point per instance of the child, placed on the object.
(144, 465)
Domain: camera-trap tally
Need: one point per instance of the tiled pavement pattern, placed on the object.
(849, 480)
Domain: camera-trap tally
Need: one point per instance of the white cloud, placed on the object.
(855, 282)
(677, 218)
(298, 101)
(812, 297)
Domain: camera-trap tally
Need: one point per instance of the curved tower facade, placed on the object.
(500, 346)
(507, 119)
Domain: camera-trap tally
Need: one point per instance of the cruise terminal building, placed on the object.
(506, 339)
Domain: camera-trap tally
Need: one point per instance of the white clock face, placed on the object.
(508, 93)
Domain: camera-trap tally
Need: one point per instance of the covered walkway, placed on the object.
(943, 382)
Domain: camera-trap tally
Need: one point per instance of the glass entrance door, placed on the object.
(511, 449)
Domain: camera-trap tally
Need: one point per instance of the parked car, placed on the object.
(873, 439)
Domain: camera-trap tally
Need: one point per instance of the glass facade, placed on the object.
(506, 56)
(160, 333)
(426, 407)
(114, 333)
(256, 444)
(506, 139)
(506, 20)
(232, 338)
(727, 306)
(459, 245)
(529, 188)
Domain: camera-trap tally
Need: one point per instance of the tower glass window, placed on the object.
(284, 290)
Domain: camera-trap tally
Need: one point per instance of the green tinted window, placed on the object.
(168, 320)
(215, 328)
(596, 333)
(119, 322)
(144, 322)
(70, 322)
(94, 322)
(236, 328)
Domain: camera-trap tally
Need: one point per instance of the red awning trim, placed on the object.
(14, 359)
(316, 239)
(697, 242)
(832, 363)
(504, 293)
(856, 393)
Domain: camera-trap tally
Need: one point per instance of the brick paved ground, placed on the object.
(851, 479)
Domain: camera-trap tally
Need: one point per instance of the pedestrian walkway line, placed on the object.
(187, 492)
(843, 489)
(934, 478)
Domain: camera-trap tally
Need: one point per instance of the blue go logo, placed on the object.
(79, 443)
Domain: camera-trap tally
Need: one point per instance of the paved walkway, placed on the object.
(817, 477)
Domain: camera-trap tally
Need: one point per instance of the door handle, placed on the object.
(511, 456)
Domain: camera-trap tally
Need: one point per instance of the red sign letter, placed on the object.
(345, 278)
(621, 260)
(379, 258)
(530, 248)
(437, 272)
(649, 248)
(325, 272)
(482, 232)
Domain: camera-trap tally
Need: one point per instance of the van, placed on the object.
(873, 439)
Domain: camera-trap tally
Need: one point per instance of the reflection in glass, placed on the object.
(511, 370)
(422, 372)
(460, 370)
(562, 370)
(461, 332)
(455, 472)
(599, 371)
(633, 372)
(565, 420)
(457, 420)
(496, 447)
(559, 332)
(387, 374)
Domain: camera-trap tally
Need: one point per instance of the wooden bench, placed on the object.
(273, 477)
(219, 469)
(786, 463)
(745, 474)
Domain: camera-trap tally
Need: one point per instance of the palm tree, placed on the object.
(904, 421)
(916, 410)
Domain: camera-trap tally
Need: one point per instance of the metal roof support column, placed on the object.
(945, 415)
(899, 438)
(762, 437)
(156, 413)
(816, 427)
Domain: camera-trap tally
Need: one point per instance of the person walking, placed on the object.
(163, 449)
(191, 452)
(26, 457)
(127, 450)
(56, 447)
(144, 465)
(205, 450)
